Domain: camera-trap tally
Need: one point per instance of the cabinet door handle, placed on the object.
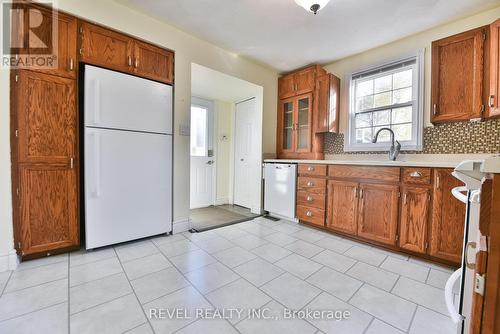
(490, 101)
(71, 64)
(72, 163)
(404, 198)
(361, 193)
(136, 62)
(129, 60)
(355, 191)
(434, 109)
(310, 198)
(309, 214)
(416, 174)
(437, 181)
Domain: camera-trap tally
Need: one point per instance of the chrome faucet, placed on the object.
(394, 149)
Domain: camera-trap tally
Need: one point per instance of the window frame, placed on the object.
(415, 144)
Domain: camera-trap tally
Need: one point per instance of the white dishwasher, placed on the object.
(279, 189)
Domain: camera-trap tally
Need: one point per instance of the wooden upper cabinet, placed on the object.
(286, 86)
(342, 206)
(286, 125)
(298, 83)
(66, 30)
(458, 76)
(46, 116)
(304, 80)
(378, 212)
(415, 202)
(303, 123)
(153, 62)
(48, 208)
(494, 71)
(327, 103)
(447, 218)
(104, 47)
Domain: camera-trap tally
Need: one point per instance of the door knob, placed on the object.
(242, 159)
(210, 162)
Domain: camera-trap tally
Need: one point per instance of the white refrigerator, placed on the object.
(127, 157)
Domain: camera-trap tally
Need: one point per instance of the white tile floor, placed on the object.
(256, 264)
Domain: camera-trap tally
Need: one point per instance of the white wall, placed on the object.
(224, 164)
(403, 47)
(188, 49)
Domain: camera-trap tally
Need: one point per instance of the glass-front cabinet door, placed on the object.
(287, 140)
(303, 123)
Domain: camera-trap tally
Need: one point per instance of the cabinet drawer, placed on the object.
(388, 174)
(311, 215)
(315, 200)
(417, 175)
(312, 169)
(312, 185)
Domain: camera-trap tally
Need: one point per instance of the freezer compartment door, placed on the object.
(128, 186)
(121, 101)
(280, 189)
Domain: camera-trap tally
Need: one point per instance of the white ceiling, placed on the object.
(214, 85)
(284, 36)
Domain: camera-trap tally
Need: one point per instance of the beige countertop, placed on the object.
(404, 160)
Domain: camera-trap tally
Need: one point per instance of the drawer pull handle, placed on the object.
(416, 174)
(310, 184)
(310, 169)
(310, 199)
(309, 214)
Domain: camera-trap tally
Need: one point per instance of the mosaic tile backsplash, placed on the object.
(449, 138)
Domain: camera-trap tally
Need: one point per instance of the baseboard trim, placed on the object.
(181, 225)
(9, 261)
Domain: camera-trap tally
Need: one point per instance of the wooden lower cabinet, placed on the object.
(448, 216)
(378, 212)
(415, 203)
(48, 208)
(342, 206)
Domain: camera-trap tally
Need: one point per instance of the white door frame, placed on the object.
(209, 104)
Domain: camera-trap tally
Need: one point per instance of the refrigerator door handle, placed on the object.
(96, 154)
(448, 296)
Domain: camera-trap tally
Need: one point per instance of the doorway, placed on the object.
(202, 154)
(226, 149)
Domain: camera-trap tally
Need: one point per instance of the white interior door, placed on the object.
(202, 158)
(247, 162)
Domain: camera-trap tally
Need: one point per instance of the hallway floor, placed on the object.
(258, 264)
(220, 215)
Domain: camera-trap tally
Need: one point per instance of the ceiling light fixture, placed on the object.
(312, 5)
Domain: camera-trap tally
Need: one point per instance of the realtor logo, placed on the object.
(29, 36)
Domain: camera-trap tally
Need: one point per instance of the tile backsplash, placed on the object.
(448, 138)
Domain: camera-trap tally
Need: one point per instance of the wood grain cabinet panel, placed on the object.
(103, 47)
(342, 206)
(46, 113)
(494, 71)
(311, 215)
(286, 86)
(49, 208)
(66, 60)
(378, 212)
(327, 103)
(415, 203)
(457, 76)
(447, 218)
(153, 62)
(304, 80)
(312, 169)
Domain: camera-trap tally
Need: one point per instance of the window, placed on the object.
(387, 96)
(199, 134)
